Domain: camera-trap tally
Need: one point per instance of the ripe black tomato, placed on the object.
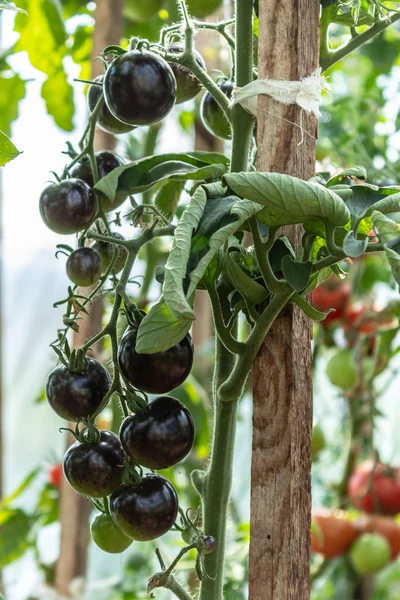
(106, 162)
(139, 88)
(106, 251)
(95, 468)
(157, 373)
(75, 396)
(160, 437)
(107, 536)
(187, 84)
(84, 266)
(105, 119)
(146, 510)
(67, 207)
(213, 116)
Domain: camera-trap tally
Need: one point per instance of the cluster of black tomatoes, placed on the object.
(156, 438)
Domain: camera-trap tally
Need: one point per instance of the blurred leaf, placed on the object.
(7, 150)
(58, 95)
(21, 488)
(4, 5)
(14, 529)
(47, 508)
(12, 90)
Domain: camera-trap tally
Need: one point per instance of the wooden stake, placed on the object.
(282, 378)
(75, 509)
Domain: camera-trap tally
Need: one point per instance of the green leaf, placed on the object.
(296, 273)
(387, 229)
(167, 197)
(317, 279)
(14, 529)
(7, 150)
(349, 19)
(252, 291)
(21, 488)
(160, 330)
(394, 262)
(367, 198)
(388, 204)
(12, 90)
(344, 191)
(354, 247)
(143, 174)
(359, 172)
(309, 310)
(4, 5)
(58, 95)
(288, 200)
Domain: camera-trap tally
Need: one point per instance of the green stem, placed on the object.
(177, 589)
(273, 284)
(223, 332)
(356, 42)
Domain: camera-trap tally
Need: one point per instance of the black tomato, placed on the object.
(107, 536)
(146, 510)
(157, 373)
(106, 251)
(105, 119)
(68, 207)
(84, 266)
(160, 437)
(75, 396)
(213, 116)
(187, 85)
(95, 468)
(106, 162)
(139, 88)
(210, 544)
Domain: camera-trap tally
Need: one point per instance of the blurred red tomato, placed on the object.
(332, 293)
(375, 488)
(332, 532)
(55, 475)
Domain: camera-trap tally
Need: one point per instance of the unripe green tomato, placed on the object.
(142, 10)
(370, 553)
(203, 8)
(187, 535)
(106, 251)
(317, 441)
(213, 116)
(107, 536)
(342, 369)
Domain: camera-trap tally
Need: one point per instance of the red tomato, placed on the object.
(55, 475)
(385, 526)
(332, 293)
(375, 489)
(332, 533)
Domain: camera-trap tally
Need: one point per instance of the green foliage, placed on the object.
(4, 5)
(12, 90)
(7, 150)
(14, 529)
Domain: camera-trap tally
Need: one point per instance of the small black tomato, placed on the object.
(106, 162)
(106, 251)
(187, 85)
(160, 437)
(213, 116)
(146, 510)
(95, 468)
(84, 266)
(139, 88)
(68, 207)
(105, 119)
(75, 396)
(157, 373)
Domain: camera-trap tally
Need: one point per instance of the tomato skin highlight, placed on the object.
(187, 84)
(95, 469)
(67, 207)
(75, 396)
(107, 536)
(370, 553)
(84, 266)
(106, 163)
(157, 373)
(139, 88)
(375, 488)
(335, 533)
(160, 437)
(105, 120)
(146, 510)
(213, 116)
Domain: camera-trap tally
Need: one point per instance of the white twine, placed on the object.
(305, 93)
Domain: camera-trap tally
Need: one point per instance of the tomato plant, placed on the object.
(332, 533)
(370, 553)
(375, 487)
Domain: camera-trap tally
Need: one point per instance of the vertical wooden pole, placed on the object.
(75, 509)
(282, 419)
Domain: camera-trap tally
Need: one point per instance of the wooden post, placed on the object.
(75, 509)
(282, 378)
